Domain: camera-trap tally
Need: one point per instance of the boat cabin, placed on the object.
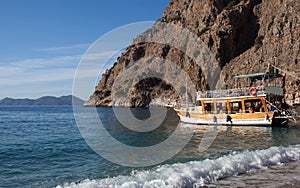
(243, 100)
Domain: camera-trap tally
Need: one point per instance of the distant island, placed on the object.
(42, 101)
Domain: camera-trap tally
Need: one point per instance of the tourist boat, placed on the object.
(255, 106)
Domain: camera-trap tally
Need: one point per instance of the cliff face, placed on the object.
(278, 41)
(242, 35)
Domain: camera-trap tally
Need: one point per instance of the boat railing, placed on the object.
(237, 92)
(189, 107)
(184, 105)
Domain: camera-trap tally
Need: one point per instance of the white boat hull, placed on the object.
(253, 122)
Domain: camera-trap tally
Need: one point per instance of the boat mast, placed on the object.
(186, 93)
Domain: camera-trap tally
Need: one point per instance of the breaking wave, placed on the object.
(197, 173)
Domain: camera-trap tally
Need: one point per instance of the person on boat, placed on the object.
(258, 106)
(251, 109)
(215, 120)
(228, 119)
(187, 114)
(207, 108)
(261, 109)
(276, 113)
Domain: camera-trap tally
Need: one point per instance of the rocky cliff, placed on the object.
(242, 35)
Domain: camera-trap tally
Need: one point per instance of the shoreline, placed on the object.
(281, 176)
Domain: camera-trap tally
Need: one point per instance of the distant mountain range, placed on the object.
(42, 101)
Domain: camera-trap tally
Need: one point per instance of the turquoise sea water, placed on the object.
(42, 147)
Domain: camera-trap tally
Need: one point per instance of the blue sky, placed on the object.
(42, 42)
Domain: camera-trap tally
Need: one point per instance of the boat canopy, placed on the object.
(239, 92)
(260, 76)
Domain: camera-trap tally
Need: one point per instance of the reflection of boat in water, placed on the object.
(258, 106)
(235, 130)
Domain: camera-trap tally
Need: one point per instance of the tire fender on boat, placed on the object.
(252, 91)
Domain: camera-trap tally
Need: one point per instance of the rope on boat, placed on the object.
(287, 72)
(280, 110)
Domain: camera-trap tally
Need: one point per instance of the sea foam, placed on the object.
(197, 173)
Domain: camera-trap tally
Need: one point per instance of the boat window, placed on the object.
(236, 107)
(209, 107)
(221, 107)
(198, 103)
(254, 105)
